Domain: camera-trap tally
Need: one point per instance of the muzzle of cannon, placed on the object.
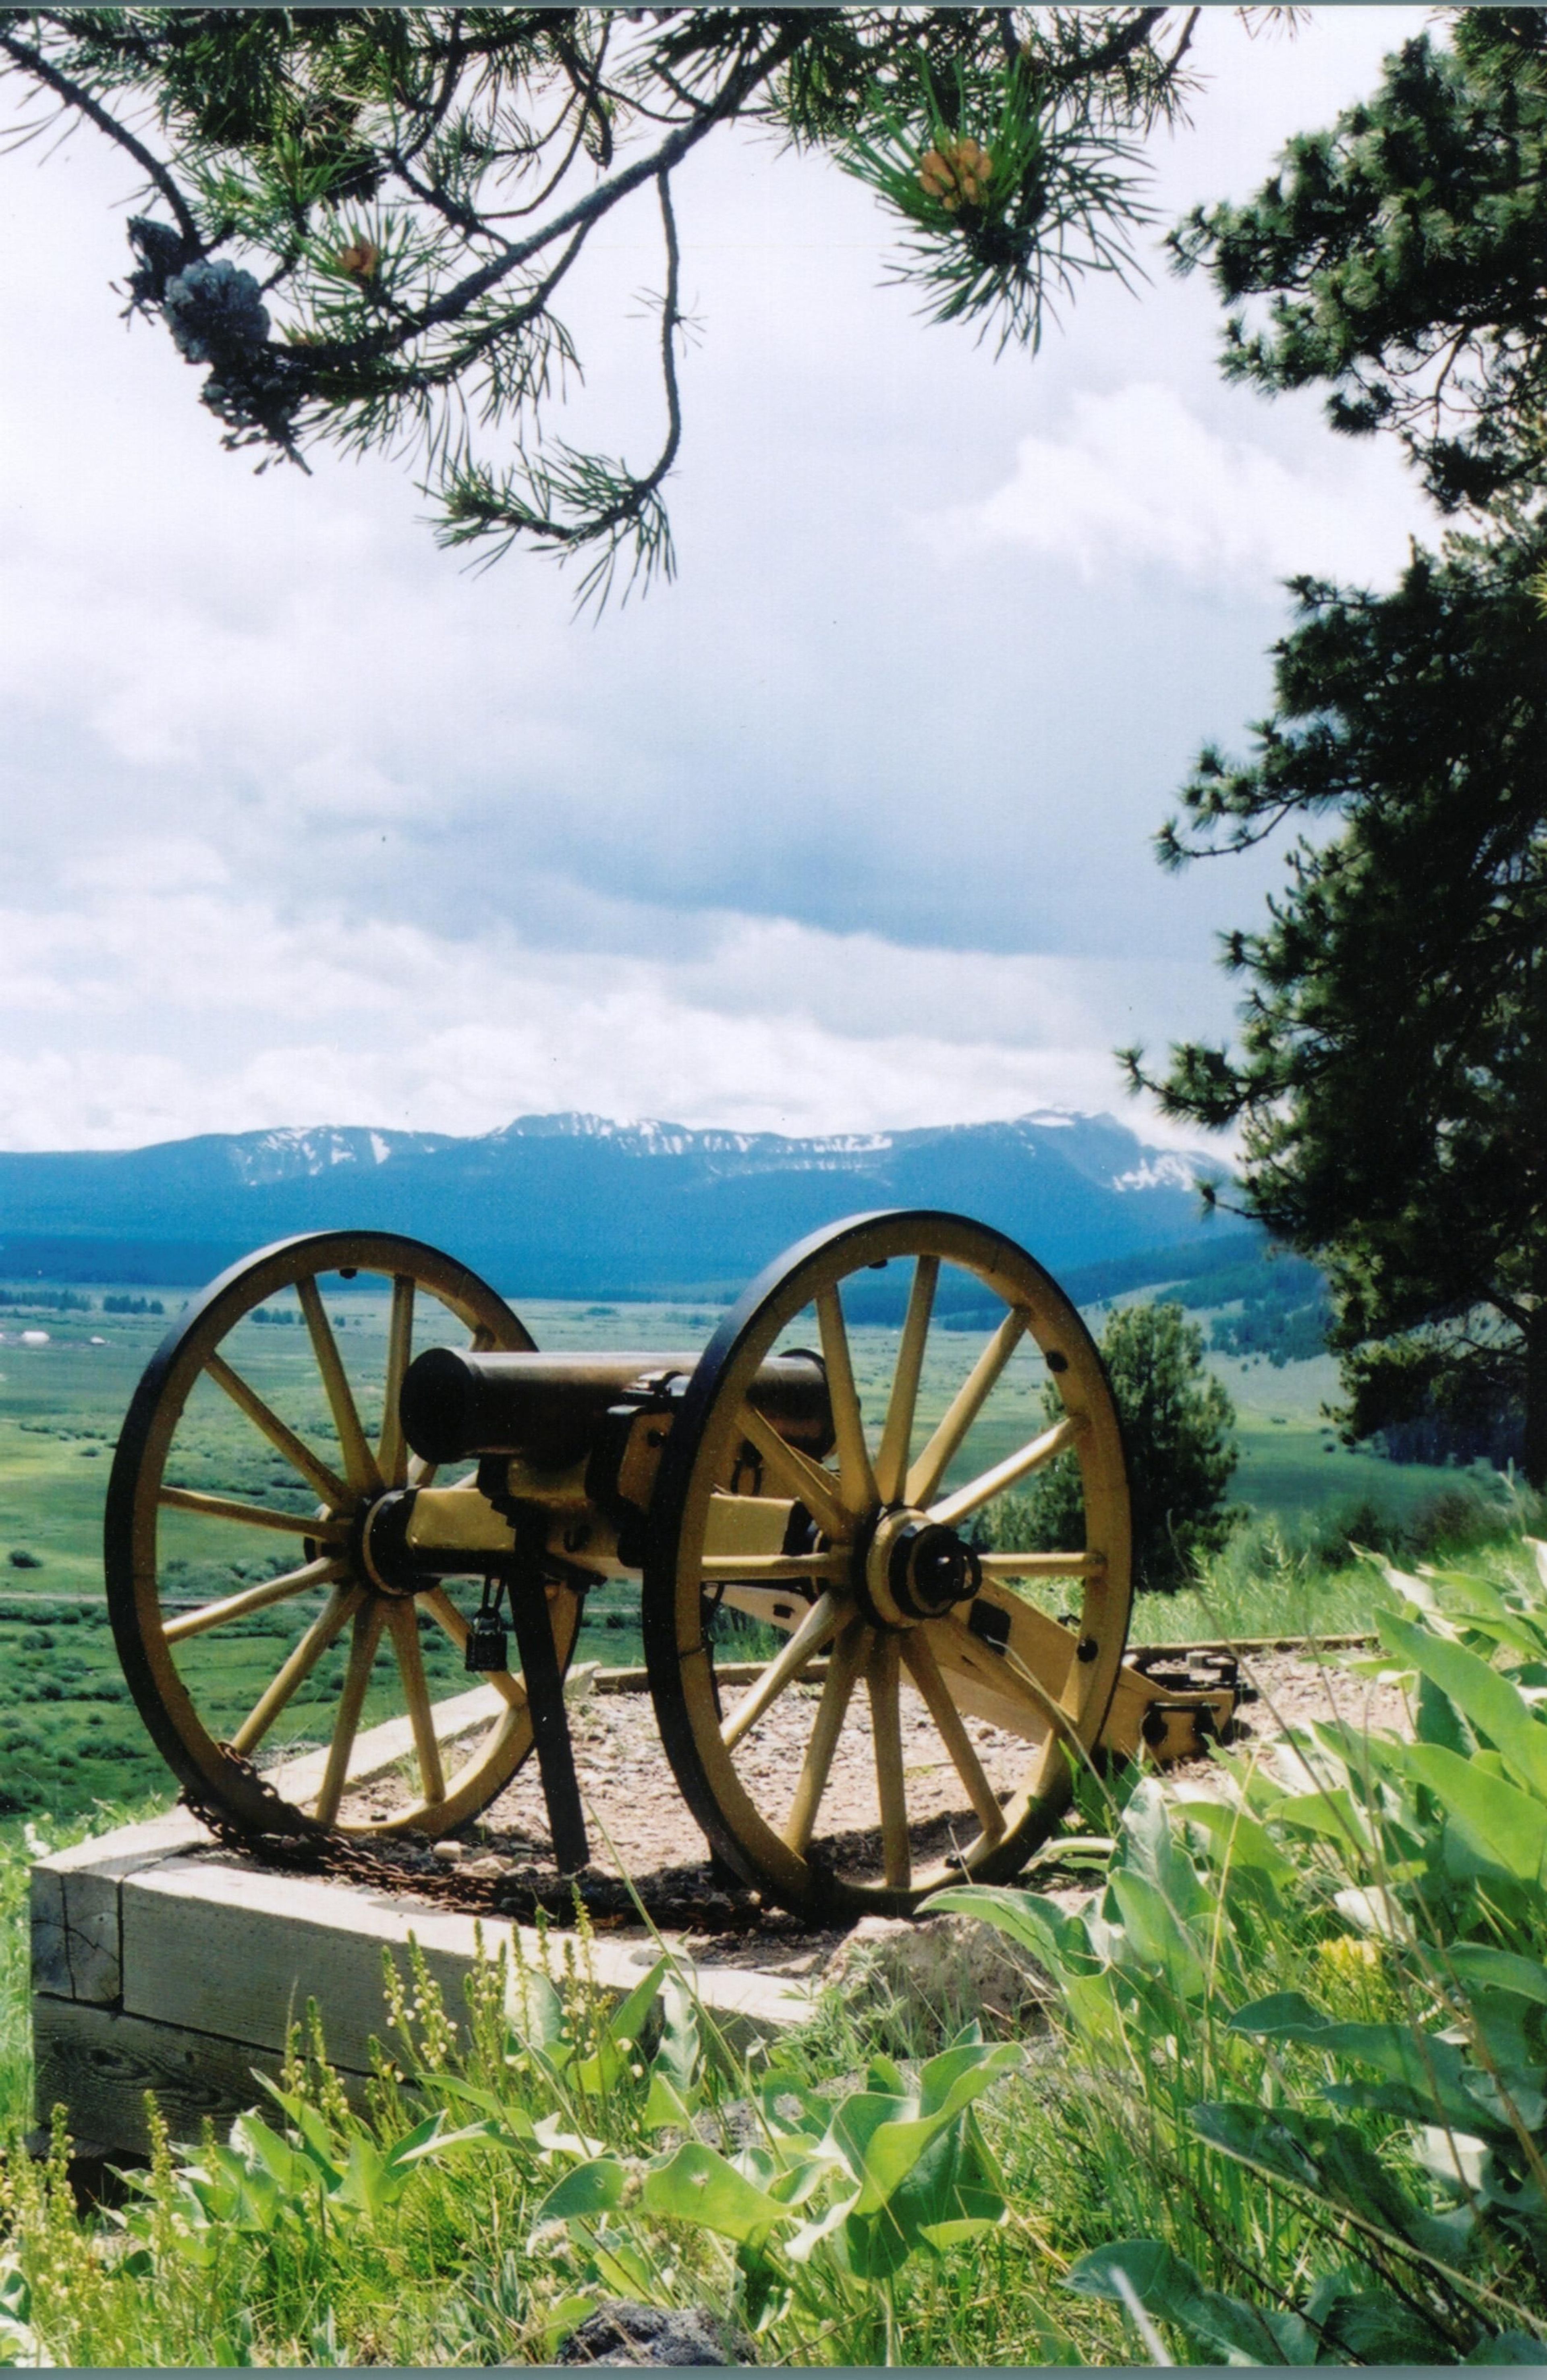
(861, 1692)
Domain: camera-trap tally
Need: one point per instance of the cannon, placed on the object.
(347, 1560)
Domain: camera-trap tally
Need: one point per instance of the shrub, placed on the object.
(1176, 1422)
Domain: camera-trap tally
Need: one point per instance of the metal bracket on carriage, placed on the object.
(630, 1436)
(630, 1439)
(1173, 1702)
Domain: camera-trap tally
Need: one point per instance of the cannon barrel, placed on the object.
(456, 1404)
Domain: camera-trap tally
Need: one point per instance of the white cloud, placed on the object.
(147, 1013)
(1137, 482)
(302, 823)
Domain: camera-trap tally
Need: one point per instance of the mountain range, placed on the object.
(576, 1206)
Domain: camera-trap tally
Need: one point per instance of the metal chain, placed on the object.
(324, 1851)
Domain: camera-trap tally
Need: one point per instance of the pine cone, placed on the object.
(956, 173)
(359, 260)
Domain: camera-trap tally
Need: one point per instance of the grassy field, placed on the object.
(69, 1735)
(1291, 1463)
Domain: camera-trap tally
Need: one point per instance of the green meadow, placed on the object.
(70, 1734)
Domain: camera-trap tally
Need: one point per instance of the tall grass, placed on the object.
(1286, 2106)
(1302, 1575)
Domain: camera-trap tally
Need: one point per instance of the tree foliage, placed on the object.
(1392, 1078)
(1391, 1081)
(359, 223)
(1401, 259)
(1176, 1423)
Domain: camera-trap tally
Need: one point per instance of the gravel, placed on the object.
(645, 1846)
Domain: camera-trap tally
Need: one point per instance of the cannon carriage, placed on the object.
(807, 1490)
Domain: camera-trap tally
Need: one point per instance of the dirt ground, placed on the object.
(1293, 1692)
(639, 1824)
(642, 1831)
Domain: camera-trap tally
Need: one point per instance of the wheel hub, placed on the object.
(378, 1544)
(916, 1569)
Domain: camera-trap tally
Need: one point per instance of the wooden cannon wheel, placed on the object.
(935, 1667)
(222, 1640)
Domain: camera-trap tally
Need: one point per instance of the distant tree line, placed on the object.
(73, 1301)
(1283, 1309)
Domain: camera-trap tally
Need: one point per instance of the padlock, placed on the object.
(488, 1645)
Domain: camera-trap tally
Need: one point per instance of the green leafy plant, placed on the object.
(1404, 2146)
(820, 2201)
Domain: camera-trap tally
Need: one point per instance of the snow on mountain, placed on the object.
(281, 1155)
(1181, 1172)
(555, 1205)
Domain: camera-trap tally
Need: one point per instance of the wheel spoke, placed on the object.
(967, 1404)
(421, 1473)
(252, 1516)
(252, 1598)
(313, 1470)
(818, 1625)
(440, 1607)
(919, 1653)
(403, 1622)
(345, 1601)
(351, 1702)
(882, 1677)
(1086, 1565)
(838, 1687)
(990, 1483)
(896, 1438)
(360, 1463)
(392, 1453)
(856, 1477)
(760, 1570)
(816, 1489)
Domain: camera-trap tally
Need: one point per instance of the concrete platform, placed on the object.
(163, 1962)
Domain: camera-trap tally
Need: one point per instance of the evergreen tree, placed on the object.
(1401, 262)
(1176, 1424)
(1391, 1081)
(360, 222)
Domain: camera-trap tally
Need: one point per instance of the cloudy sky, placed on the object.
(849, 829)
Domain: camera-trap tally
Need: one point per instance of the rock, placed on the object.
(620, 2332)
(946, 1966)
(580, 1683)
